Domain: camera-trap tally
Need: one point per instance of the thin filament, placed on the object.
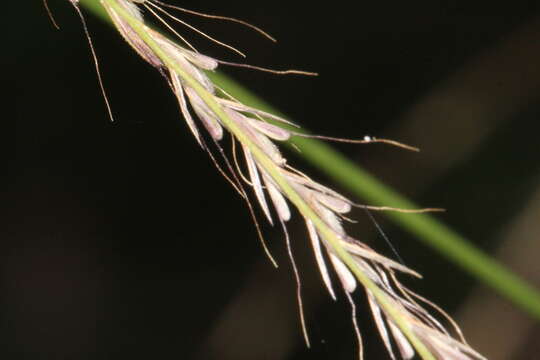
(170, 27)
(405, 211)
(298, 284)
(217, 17)
(277, 72)
(249, 205)
(438, 309)
(49, 12)
(380, 230)
(237, 164)
(197, 30)
(222, 171)
(95, 58)
(370, 140)
(356, 327)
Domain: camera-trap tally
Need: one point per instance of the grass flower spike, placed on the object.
(405, 326)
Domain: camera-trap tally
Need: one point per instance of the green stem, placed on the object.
(364, 185)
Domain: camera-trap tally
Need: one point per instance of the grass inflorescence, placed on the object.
(404, 324)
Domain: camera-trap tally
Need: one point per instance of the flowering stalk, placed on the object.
(396, 311)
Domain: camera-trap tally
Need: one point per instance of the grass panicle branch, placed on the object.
(404, 325)
(359, 182)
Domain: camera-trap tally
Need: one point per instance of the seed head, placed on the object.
(405, 326)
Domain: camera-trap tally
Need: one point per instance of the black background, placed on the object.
(120, 240)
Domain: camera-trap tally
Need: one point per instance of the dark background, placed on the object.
(120, 240)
